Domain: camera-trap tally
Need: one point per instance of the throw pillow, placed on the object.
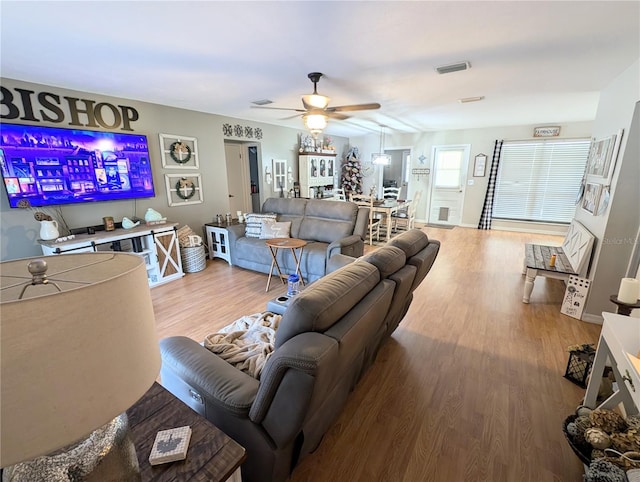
(253, 226)
(273, 229)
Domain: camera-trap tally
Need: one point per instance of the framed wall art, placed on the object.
(179, 152)
(183, 190)
(591, 197)
(602, 158)
(480, 165)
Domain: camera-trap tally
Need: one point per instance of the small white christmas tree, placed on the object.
(352, 173)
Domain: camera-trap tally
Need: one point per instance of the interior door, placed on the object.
(237, 179)
(448, 183)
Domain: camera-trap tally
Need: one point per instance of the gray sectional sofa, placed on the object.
(327, 338)
(329, 227)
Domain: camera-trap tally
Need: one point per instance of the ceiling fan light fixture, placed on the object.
(316, 101)
(316, 123)
(447, 69)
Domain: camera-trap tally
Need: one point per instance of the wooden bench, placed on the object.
(572, 258)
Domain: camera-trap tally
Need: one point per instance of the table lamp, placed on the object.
(78, 347)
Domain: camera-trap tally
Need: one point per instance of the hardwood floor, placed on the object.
(469, 387)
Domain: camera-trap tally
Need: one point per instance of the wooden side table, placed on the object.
(290, 243)
(212, 455)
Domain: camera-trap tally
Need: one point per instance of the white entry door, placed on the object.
(448, 183)
(237, 179)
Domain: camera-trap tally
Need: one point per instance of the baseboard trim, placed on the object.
(595, 319)
(514, 230)
(525, 230)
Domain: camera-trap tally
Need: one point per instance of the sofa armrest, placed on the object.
(362, 223)
(223, 384)
(300, 357)
(351, 246)
(235, 231)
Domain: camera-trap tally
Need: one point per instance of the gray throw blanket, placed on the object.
(246, 343)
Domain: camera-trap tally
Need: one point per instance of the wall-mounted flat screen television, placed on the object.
(50, 165)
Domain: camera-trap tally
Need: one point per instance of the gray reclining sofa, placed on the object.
(329, 227)
(328, 336)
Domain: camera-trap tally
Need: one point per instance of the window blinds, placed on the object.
(540, 180)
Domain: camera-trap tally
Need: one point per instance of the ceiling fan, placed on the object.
(316, 108)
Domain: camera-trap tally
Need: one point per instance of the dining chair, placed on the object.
(407, 217)
(374, 224)
(338, 195)
(390, 192)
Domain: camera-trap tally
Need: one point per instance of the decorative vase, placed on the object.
(49, 230)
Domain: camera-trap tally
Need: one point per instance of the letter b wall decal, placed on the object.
(48, 107)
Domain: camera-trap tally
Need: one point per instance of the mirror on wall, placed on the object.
(396, 174)
(280, 177)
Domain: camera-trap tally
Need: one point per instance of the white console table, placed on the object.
(618, 347)
(158, 245)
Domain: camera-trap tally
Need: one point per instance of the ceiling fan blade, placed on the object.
(348, 108)
(276, 108)
(336, 115)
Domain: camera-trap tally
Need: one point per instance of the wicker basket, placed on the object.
(582, 450)
(194, 259)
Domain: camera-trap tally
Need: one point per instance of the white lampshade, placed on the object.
(315, 122)
(315, 100)
(73, 360)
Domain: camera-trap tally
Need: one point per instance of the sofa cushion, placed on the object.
(274, 229)
(388, 260)
(287, 209)
(329, 300)
(253, 226)
(328, 221)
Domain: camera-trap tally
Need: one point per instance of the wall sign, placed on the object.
(29, 105)
(552, 131)
(480, 165)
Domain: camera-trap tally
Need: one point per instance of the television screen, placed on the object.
(51, 165)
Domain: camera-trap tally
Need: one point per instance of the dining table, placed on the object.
(388, 207)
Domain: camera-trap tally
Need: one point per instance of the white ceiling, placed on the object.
(541, 62)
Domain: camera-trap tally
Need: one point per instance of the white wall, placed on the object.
(617, 228)
(482, 141)
(19, 231)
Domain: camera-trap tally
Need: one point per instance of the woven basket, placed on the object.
(194, 259)
(582, 450)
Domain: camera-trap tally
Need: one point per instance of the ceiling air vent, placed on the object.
(262, 102)
(447, 69)
(465, 100)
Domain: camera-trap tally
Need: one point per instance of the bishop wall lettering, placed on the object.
(29, 105)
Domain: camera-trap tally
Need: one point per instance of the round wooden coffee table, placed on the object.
(292, 243)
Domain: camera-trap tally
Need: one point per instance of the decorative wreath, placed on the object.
(181, 188)
(179, 149)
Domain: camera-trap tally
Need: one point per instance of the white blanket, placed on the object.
(246, 343)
